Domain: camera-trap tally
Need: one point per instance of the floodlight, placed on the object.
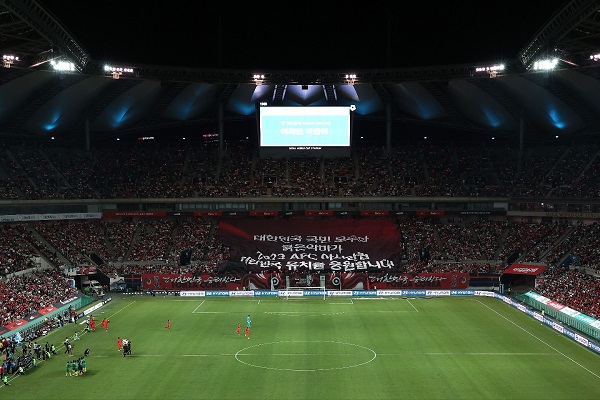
(545, 65)
(8, 60)
(116, 72)
(350, 79)
(62, 65)
(258, 79)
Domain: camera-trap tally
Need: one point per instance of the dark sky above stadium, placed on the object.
(307, 35)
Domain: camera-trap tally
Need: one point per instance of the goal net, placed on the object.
(299, 292)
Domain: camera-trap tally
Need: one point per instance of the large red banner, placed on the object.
(309, 245)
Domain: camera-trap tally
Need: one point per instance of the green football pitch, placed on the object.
(315, 348)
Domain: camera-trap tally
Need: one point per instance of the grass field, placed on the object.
(311, 348)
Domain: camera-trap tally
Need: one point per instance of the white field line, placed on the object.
(547, 344)
(502, 354)
(413, 306)
(199, 305)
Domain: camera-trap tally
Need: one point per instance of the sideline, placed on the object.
(547, 344)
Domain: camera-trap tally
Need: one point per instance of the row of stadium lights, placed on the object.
(214, 135)
(541, 65)
(144, 138)
(60, 65)
(116, 72)
(259, 79)
(492, 70)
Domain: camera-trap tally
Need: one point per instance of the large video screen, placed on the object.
(304, 131)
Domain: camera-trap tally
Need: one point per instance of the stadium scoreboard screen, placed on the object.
(286, 132)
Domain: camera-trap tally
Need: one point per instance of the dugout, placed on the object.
(520, 278)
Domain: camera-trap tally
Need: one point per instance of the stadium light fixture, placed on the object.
(8, 60)
(595, 57)
(116, 72)
(258, 79)
(350, 79)
(491, 70)
(545, 65)
(62, 66)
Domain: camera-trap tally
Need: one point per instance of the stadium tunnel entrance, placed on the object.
(520, 278)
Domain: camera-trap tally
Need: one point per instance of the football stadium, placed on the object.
(202, 229)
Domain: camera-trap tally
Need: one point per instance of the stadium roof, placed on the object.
(208, 82)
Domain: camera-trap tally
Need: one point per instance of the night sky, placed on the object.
(303, 35)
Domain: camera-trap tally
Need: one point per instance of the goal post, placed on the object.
(305, 291)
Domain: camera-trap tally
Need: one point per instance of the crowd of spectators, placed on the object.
(72, 242)
(470, 245)
(119, 235)
(154, 237)
(153, 170)
(572, 288)
(544, 244)
(157, 170)
(24, 295)
(17, 249)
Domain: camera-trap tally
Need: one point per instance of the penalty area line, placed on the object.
(199, 305)
(413, 306)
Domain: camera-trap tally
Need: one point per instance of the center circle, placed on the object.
(302, 355)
